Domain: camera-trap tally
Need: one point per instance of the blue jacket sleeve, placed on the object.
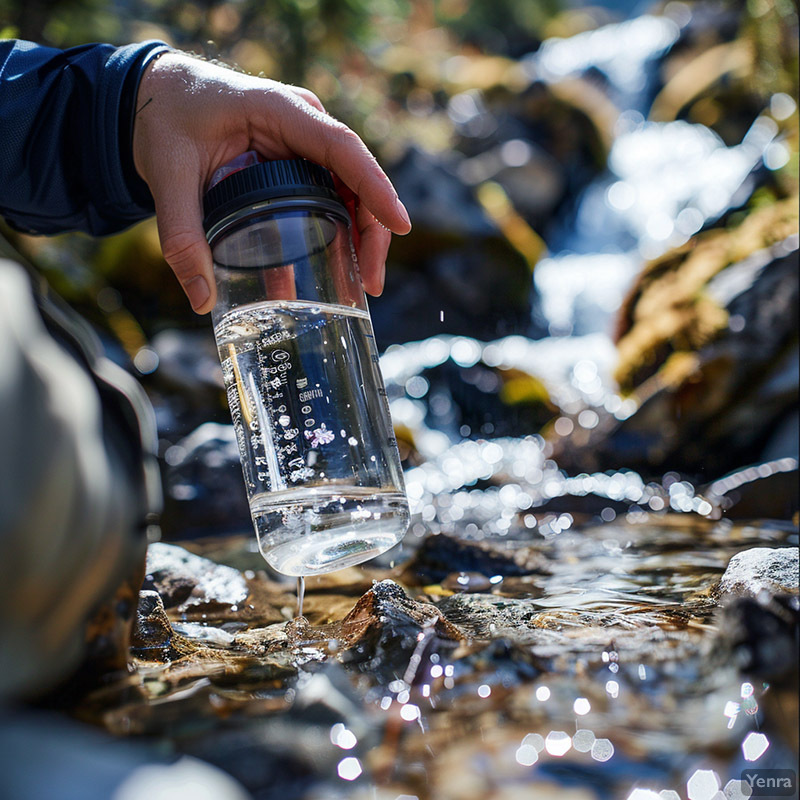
(66, 118)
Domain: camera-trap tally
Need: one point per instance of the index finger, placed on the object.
(308, 132)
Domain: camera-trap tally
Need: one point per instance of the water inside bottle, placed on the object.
(311, 418)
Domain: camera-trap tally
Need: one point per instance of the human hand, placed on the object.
(192, 117)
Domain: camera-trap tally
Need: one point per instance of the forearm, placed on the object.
(65, 149)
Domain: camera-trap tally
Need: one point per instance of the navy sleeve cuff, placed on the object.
(65, 154)
(128, 198)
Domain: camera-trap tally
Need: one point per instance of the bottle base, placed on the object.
(319, 533)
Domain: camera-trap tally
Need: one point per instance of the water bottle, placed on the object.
(301, 370)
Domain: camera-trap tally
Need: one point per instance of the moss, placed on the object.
(668, 311)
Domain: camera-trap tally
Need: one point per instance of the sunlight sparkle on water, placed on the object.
(782, 106)
(602, 750)
(731, 711)
(557, 743)
(754, 746)
(534, 740)
(542, 694)
(526, 755)
(409, 712)
(342, 737)
(581, 706)
(703, 785)
(583, 740)
(349, 768)
(737, 790)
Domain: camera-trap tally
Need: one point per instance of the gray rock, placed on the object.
(184, 579)
(762, 569)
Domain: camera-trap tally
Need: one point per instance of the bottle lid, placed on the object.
(269, 180)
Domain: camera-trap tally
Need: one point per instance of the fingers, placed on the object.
(308, 96)
(307, 132)
(372, 251)
(183, 241)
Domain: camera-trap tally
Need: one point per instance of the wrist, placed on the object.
(129, 104)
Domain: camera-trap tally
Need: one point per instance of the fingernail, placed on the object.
(401, 209)
(381, 280)
(197, 291)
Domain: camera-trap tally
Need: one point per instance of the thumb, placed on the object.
(183, 242)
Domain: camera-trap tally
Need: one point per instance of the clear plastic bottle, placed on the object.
(301, 370)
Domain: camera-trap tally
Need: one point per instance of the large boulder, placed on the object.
(708, 353)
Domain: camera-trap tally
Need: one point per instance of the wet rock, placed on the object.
(386, 628)
(505, 661)
(489, 617)
(287, 750)
(772, 570)
(329, 598)
(434, 194)
(153, 638)
(441, 555)
(485, 400)
(196, 589)
(184, 580)
(204, 490)
(707, 343)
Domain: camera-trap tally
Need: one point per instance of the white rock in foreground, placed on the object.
(772, 569)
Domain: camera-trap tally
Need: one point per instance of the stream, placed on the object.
(541, 632)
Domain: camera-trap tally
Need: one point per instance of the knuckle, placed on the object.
(342, 141)
(182, 251)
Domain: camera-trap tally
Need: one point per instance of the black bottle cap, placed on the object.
(294, 177)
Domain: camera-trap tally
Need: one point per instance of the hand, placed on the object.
(192, 117)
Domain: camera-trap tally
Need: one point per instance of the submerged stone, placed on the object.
(441, 555)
